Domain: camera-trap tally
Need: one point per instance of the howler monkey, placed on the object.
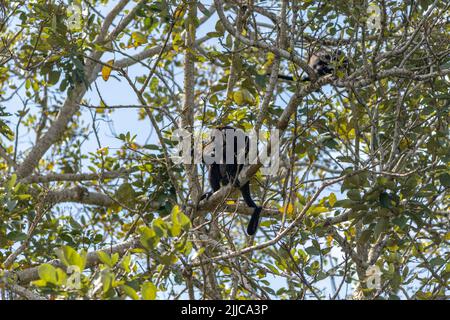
(222, 171)
(323, 62)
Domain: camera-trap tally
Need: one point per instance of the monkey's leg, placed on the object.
(214, 178)
(254, 220)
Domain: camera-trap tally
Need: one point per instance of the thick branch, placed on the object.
(75, 176)
(187, 112)
(110, 18)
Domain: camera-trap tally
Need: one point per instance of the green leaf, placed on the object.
(107, 280)
(313, 251)
(16, 236)
(321, 275)
(53, 77)
(61, 276)
(346, 203)
(148, 238)
(213, 34)
(354, 195)
(373, 195)
(11, 182)
(70, 257)
(365, 236)
(126, 263)
(24, 196)
(160, 227)
(129, 291)
(175, 230)
(381, 226)
(438, 261)
(105, 258)
(219, 27)
(400, 221)
(345, 159)
(315, 210)
(48, 273)
(445, 180)
(168, 259)
(11, 205)
(424, 295)
(114, 258)
(126, 195)
(74, 224)
(184, 221)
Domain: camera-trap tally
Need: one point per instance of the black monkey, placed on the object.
(224, 172)
(323, 62)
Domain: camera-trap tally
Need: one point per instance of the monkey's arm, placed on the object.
(214, 178)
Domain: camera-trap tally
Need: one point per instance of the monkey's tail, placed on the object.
(284, 77)
(254, 221)
(290, 78)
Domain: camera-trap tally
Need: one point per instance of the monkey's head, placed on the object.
(324, 62)
(224, 127)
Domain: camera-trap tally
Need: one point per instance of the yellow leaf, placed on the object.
(179, 12)
(317, 209)
(329, 240)
(139, 38)
(148, 291)
(35, 86)
(289, 208)
(393, 248)
(270, 57)
(226, 270)
(332, 199)
(39, 283)
(238, 97)
(447, 236)
(403, 144)
(177, 41)
(103, 151)
(50, 166)
(106, 70)
(102, 109)
(133, 146)
(351, 134)
(198, 253)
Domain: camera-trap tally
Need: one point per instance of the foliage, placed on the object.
(364, 178)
